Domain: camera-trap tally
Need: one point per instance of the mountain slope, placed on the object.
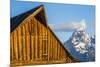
(89, 55)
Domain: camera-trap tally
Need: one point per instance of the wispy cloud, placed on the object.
(69, 26)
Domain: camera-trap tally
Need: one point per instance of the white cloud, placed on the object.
(69, 26)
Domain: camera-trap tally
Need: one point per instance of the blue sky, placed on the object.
(60, 13)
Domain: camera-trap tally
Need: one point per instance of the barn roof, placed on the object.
(15, 21)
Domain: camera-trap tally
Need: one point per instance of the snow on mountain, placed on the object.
(81, 46)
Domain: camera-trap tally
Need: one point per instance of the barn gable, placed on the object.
(42, 36)
(17, 20)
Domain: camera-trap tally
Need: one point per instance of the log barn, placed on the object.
(32, 41)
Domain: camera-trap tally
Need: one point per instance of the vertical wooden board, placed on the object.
(27, 40)
(55, 49)
(45, 28)
(61, 53)
(40, 41)
(33, 38)
(38, 34)
(43, 52)
(43, 31)
(38, 48)
(28, 46)
(35, 34)
(36, 39)
(32, 45)
(48, 44)
(15, 45)
(24, 42)
(39, 28)
(46, 49)
(50, 47)
(11, 43)
(30, 35)
(20, 44)
(30, 25)
(45, 43)
(58, 50)
(54, 46)
(42, 49)
(43, 46)
(65, 55)
(46, 31)
(11, 47)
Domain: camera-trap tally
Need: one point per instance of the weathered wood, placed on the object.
(24, 42)
(20, 43)
(34, 43)
(48, 34)
(27, 41)
(15, 46)
(11, 47)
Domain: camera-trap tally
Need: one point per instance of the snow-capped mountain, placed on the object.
(81, 46)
